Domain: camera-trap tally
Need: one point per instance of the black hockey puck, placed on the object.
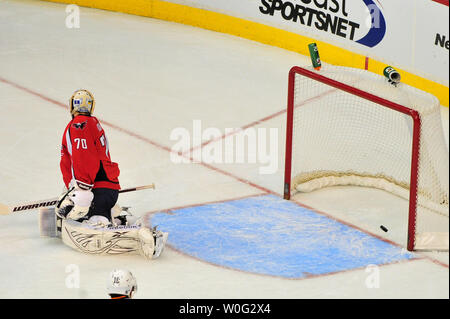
(384, 228)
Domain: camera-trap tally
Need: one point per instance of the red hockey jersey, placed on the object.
(85, 155)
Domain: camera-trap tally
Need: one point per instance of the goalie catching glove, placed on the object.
(74, 203)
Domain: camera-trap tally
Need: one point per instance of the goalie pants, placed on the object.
(104, 200)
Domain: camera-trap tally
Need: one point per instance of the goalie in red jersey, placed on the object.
(90, 220)
(91, 178)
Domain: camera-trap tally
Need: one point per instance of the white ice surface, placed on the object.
(149, 77)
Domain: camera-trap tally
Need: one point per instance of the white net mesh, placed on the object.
(342, 139)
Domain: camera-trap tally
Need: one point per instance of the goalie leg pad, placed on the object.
(152, 242)
(47, 222)
(146, 243)
(97, 238)
(160, 242)
(100, 240)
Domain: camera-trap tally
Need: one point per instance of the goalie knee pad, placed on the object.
(98, 221)
(120, 216)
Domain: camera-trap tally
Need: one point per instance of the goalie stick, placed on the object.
(6, 210)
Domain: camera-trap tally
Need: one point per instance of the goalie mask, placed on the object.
(122, 284)
(82, 102)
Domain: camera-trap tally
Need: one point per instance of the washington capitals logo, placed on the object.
(80, 126)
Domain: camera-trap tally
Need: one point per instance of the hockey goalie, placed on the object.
(87, 214)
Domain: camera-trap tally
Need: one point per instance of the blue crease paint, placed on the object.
(271, 236)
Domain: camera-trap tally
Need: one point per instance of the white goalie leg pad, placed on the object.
(97, 236)
(160, 242)
(99, 240)
(115, 212)
(121, 216)
(146, 243)
(47, 222)
(152, 242)
(97, 221)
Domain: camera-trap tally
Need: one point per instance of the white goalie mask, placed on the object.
(82, 102)
(122, 282)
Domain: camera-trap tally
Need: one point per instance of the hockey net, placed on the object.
(351, 127)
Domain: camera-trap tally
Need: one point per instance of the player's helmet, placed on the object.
(121, 283)
(82, 102)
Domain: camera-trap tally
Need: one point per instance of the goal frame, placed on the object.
(296, 70)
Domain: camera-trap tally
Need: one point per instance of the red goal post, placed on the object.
(340, 86)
